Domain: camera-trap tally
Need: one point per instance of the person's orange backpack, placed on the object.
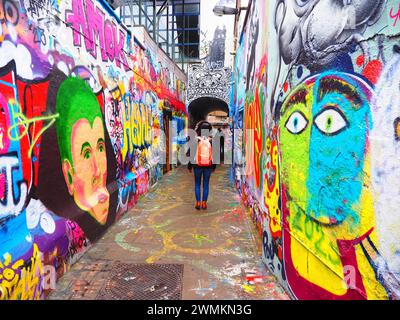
(204, 152)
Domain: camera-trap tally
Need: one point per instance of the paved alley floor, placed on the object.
(219, 249)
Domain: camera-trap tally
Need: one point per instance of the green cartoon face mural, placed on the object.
(81, 142)
(323, 135)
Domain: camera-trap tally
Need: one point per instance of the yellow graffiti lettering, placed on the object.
(127, 129)
(272, 190)
(21, 280)
(137, 122)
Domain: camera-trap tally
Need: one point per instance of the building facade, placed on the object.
(174, 25)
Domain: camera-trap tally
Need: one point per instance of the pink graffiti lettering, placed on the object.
(78, 241)
(90, 21)
(395, 16)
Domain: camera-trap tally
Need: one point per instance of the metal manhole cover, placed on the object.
(143, 282)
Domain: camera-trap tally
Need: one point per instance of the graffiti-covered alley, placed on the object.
(219, 249)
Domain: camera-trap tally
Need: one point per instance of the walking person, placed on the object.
(221, 145)
(203, 165)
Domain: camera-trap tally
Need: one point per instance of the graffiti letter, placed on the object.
(96, 29)
(349, 280)
(395, 16)
(77, 18)
(49, 278)
(11, 206)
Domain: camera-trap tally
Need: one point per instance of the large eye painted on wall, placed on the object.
(297, 123)
(331, 121)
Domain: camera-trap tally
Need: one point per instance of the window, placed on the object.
(176, 29)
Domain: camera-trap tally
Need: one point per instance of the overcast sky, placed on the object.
(209, 22)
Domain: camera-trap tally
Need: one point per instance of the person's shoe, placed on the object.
(204, 205)
(198, 205)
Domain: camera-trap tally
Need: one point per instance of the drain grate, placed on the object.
(143, 282)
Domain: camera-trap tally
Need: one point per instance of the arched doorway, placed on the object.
(208, 94)
(200, 108)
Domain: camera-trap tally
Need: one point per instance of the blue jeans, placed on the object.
(198, 174)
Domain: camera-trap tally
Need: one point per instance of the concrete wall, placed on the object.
(79, 99)
(317, 82)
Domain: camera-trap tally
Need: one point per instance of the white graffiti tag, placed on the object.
(9, 205)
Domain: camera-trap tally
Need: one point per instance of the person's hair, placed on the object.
(202, 125)
(75, 101)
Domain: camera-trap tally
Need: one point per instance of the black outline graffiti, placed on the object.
(16, 201)
(39, 35)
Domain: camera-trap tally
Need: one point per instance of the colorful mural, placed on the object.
(81, 133)
(326, 147)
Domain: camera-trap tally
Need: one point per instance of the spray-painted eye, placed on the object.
(331, 121)
(297, 123)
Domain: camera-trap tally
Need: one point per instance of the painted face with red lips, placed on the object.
(81, 139)
(87, 180)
